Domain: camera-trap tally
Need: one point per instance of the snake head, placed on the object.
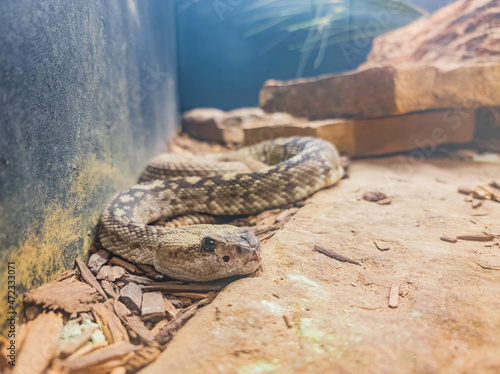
(210, 253)
(234, 250)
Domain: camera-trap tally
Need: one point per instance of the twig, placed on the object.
(335, 255)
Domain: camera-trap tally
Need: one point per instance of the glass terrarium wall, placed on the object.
(227, 49)
(88, 95)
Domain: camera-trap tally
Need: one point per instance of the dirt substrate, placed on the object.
(306, 312)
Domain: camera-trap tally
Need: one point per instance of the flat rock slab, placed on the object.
(380, 135)
(306, 312)
(384, 91)
(226, 127)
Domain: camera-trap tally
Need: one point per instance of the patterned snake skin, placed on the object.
(296, 168)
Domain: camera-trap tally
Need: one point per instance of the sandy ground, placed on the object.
(448, 317)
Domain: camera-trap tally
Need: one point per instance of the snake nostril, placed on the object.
(225, 258)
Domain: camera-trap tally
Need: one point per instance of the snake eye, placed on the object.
(208, 244)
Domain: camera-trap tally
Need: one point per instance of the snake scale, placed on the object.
(294, 169)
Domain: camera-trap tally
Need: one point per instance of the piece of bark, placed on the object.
(97, 260)
(102, 360)
(142, 357)
(165, 334)
(449, 239)
(170, 309)
(40, 344)
(88, 277)
(477, 203)
(131, 268)
(477, 238)
(153, 306)
(136, 279)
(73, 345)
(118, 370)
(495, 184)
(385, 201)
(111, 273)
(151, 272)
(176, 287)
(374, 196)
(67, 274)
(86, 349)
(133, 323)
(70, 295)
(174, 301)
(110, 324)
(111, 289)
(335, 255)
(191, 295)
(32, 312)
(131, 296)
(394, 296)
(287, 213)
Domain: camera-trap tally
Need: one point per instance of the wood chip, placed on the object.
(88, 277)
(170, 308)
(286, 214)
(176, 287)
(165, 334)
(335, 255)
(191, 295)
(131, 268)
(131, 296)
(394, 296)
(153, 306)
(111, 289)
(477, 203)
(132, 322)
(118, 370)
(111, 273)
(374, 196)
(386, 201)
(69, 295)
(97, 260)
(174, 301)
(495, 184)
(136, 279)
(477, 238)
(449, 239)
(73, 345)
(110, 324)
(44, 332)
(141, 358)
(151, 272)
(98, 361)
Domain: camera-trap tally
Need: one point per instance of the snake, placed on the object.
(280, 171)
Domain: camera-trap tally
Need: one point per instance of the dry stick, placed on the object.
(394, 296)
(335, 255)
(73, 345)
(89, 277)
(477, 238)
(174, 287)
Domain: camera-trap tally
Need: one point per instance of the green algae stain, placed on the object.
(53, 241)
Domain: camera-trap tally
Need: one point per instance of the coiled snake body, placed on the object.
(296, 167)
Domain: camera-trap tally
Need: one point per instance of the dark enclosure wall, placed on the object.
(87, 96)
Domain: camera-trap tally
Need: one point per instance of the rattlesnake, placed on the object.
(297, 167)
